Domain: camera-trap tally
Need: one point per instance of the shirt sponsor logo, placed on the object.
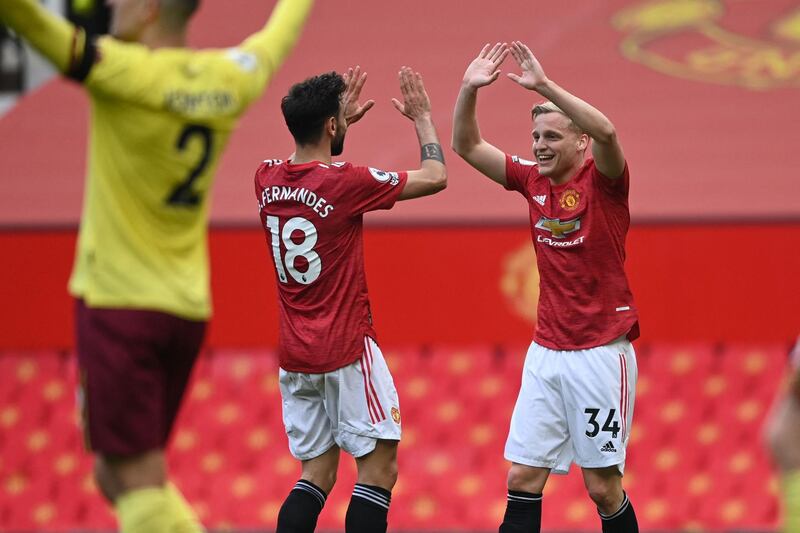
(381, 176)
(558, 231)
(540, 199)
(560, 244)
(570, 200)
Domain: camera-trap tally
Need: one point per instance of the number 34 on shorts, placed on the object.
(611, 424)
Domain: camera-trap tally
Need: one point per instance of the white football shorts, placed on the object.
(574, 406)
(353, 407)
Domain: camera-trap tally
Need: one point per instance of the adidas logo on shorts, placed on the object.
(608, 447)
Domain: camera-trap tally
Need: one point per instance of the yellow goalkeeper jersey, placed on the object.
(160, 120)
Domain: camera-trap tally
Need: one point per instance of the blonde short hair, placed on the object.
(549, 107)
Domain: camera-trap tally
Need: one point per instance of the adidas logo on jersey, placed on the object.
(540, 199)
(608, 447)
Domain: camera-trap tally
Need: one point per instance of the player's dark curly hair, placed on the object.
(310, 103)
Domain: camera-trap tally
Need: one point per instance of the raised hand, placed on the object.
(532, 73)
(416, 104)
(353, 110)
(483, 69)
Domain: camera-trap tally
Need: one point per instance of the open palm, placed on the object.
(532, 73)
(483, 69)
(353, 110)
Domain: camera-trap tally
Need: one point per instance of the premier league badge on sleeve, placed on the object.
(392, 178)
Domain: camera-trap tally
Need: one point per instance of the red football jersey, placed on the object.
(312, 215)
(578, 230)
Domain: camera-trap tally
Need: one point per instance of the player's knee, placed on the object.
(390, 473)
(105, 481)
(382, 475)
(116, 475)
(379, 471)
(527, 479)
(324, 480)
(606, 495)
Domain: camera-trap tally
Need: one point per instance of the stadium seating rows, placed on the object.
(695, 462)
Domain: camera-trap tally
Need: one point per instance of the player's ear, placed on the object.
(583, 142)
(331, 126)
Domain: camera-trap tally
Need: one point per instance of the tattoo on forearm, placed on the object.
(432, 151)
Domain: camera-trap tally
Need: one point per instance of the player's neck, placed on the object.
(156, 36)
(567, 175)
(309, 153)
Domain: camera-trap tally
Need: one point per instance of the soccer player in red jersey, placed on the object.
(576, 399)
(783, 436)
(337, 391)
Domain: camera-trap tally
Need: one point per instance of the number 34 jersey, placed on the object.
(312, 214)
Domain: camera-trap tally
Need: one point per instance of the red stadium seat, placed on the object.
(699, 410)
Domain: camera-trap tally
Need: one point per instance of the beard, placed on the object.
(337, 145)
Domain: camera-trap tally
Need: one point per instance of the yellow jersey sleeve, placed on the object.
(277, 38)
(54, 37)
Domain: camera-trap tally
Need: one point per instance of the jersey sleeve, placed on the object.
(518, 174)
(370, 189)
(62, 43)
(271, 45)
(613, 187)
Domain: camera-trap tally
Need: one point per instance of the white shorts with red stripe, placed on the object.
(574, 406)
(352, 407)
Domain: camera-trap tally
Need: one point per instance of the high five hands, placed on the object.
(484, 69)
(354, 80)
(416, 104)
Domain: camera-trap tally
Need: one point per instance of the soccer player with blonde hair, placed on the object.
(161, 115)
(576, 399)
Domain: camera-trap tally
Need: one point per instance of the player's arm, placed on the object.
(467, 141)
(272, 44)
(53, 36)
(431, 177)
(606, 149)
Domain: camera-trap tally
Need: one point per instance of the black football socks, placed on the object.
(523, 513)
(301, 509)
(367, 511)
(622, 521)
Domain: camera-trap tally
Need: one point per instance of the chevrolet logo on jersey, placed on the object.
(559, 229)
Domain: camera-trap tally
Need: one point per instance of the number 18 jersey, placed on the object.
(312, 215)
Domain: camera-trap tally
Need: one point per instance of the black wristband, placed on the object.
(79, 70)
(432, 151)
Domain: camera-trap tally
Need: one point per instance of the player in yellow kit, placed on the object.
(161, 115)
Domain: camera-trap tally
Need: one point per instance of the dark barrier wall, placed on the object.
(731, 282)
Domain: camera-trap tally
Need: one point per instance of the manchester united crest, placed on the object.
(396, 415)
(570, 199)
